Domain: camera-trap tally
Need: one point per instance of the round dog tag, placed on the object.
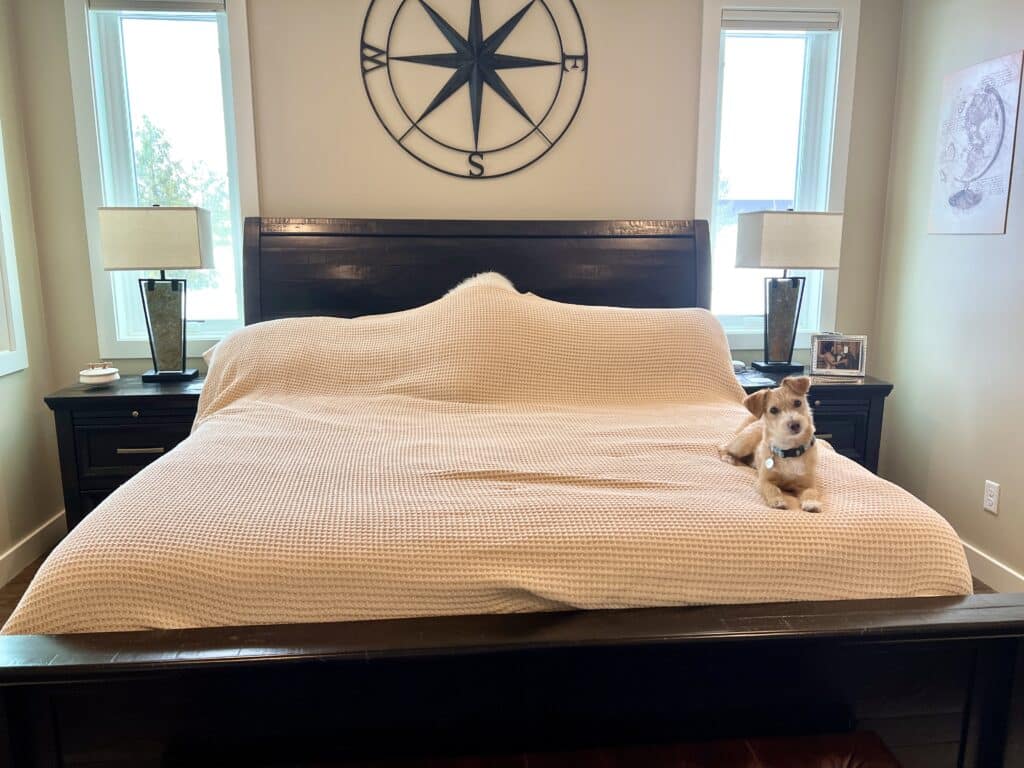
(769, 463)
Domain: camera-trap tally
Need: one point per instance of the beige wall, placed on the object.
(629, 154)
(56, 187)
(951, 314)
(867, 178)
(29, 483)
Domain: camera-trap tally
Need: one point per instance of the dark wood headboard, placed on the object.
(352, 267)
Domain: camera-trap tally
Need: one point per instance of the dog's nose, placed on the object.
(794, 427)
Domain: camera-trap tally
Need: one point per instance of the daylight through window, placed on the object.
(160, 81)
(777, 104)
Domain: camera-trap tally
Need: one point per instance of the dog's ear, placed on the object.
(755, 402)
(797, 384)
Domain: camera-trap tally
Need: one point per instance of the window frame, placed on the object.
(239, 125)
(13, 349)
(709, 113)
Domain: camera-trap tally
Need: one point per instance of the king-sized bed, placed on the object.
(530, 448)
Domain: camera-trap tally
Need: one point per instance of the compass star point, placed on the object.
(476, 62)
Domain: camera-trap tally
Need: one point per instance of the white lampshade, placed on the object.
(789, 240)
(156, 238)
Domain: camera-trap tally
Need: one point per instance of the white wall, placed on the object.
(951, 315)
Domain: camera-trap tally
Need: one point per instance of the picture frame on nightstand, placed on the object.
(836, 354)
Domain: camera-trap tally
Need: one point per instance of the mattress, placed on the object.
(491, 452)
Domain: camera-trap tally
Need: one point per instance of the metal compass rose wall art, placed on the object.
(475, 88)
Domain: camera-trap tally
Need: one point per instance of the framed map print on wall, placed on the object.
(974, 151)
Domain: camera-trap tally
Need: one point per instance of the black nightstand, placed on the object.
(847, 413)
(106, 435)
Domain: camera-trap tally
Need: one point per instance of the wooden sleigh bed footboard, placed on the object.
(941, 680)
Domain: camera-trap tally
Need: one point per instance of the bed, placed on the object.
(350, 482)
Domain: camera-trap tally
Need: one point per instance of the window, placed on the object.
(774, 136)
(166, 129)
(13, 354)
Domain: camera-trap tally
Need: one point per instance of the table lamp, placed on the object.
(159, 238)
(786, 240)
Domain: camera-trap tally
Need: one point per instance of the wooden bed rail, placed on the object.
(29, 658)
(941, 680)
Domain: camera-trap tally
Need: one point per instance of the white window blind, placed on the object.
(162, 6)
(796, 21)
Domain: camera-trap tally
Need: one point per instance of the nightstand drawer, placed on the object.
(132, 414)
(121, 451)
(844, 426)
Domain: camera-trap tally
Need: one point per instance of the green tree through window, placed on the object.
(162, 179)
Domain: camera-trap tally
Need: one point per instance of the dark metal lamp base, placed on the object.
(778, 367)
(162, 377)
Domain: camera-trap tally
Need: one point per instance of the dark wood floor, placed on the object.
(11, 594)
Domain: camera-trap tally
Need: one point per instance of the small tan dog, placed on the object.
(778, 440)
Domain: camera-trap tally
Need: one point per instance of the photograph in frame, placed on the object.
(838, 355)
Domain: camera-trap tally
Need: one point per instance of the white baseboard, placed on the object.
(32, 547)
(999, 576)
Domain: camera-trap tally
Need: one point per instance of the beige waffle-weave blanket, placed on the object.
(489, 452)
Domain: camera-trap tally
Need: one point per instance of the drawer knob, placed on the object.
(135, 414)
(817, 403)
(155, 451)
(824, 436)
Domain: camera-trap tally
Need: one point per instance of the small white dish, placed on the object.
(99, 377)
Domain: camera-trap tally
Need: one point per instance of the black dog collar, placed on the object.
(792, 453)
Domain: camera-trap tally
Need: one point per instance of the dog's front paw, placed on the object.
(777, 503)
(810, 505)
(728, 458)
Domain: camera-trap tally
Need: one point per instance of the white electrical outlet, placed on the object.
(991, 501)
